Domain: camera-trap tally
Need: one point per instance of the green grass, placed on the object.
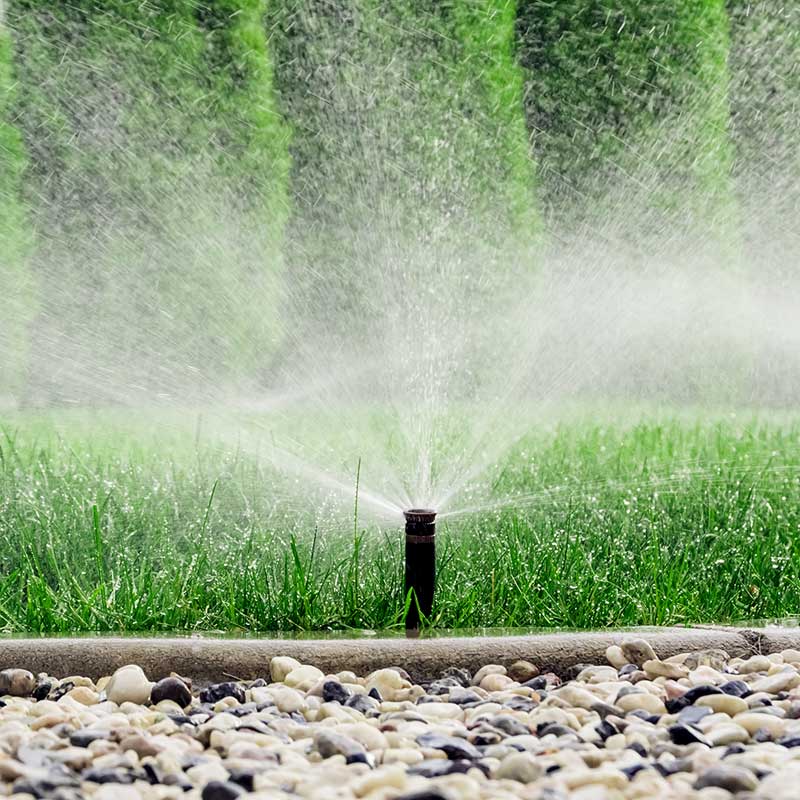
(107, 526)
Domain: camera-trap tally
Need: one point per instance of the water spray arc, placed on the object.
(420, 563)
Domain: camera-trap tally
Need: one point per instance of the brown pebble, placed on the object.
(522, 671)
(140, 745)
(17, 682)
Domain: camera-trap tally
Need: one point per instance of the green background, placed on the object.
(180, 178)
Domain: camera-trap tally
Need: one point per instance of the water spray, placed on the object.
(420, 563)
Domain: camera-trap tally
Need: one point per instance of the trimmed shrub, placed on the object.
(157, 181)
(765, 98)
(410, 152)
(627, 104)
(17, 286)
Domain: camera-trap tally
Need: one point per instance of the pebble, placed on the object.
(303, 676)
(128, 684)
(84, 695)
(334, 692)
(173, 689)
(288, 700)
(222, 790)
(281, 666)
(616, 657)
(522, 671)
(732, 779)
(723, 704)
(453, 747)
(714, 658)
(387, 683)
(329, 743)
(521, 767)
(752, 721)
(754, 664)
(642, 701)
(687, 734)
(489, 669)
(779, 682)
(727, 734)
(219, 691)
(664, 669)
(637, 651)
(496, 682)
(698, 725)
(735, 688)
(17, 682)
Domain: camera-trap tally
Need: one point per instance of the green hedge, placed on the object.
(628, 108)
(409, 141)
(765, 97)
(158, 183)
(425, 134)
(16, 281)
(252, 141)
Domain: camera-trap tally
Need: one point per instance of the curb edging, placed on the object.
(213, 659)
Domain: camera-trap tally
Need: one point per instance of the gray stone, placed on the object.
(222, 790)
(637, 651)
(454, 747)
(733, 779)
(330, 744)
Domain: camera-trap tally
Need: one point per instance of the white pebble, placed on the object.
(281, 666)
(129, 684)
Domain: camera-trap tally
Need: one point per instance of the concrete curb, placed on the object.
(209, 659)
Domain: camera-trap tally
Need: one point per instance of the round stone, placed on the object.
(664, 669)
(281, 666)
(495, 682)
(521, 767)
(616, 657)
(129, 684)
(489, 669)
(727, 733)
(779, 682)
(17, 682)
(723, 704)
(388, 683)
(84, 695)
(755, 664)
(522, 671)
(304, 675)
(222, 790)
(173, 689)
(642, 701)
(753, 721)
(637, 651)
(732, 779)
(576, 696)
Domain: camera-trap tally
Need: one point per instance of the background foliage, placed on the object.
(16, 280)
(627, 102)
(156, 182)
(152, 151)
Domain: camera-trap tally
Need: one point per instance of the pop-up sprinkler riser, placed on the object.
(420, 563)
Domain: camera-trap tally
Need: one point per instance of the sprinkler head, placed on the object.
(419, 516)
(420, 563)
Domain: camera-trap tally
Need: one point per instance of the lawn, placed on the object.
(114, 521)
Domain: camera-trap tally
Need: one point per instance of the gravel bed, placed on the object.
(696, 725)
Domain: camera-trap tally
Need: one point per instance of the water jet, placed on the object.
(420, 563)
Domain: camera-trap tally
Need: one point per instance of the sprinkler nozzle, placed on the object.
(420, 562)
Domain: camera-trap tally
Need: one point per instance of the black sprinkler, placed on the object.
(420, 563)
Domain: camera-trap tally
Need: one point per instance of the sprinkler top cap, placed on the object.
(420, 515)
